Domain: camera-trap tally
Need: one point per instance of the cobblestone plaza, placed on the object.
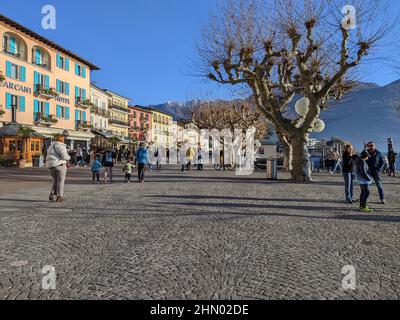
(199, 235)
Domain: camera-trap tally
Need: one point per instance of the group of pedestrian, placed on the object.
(189, 157)
(366, 168)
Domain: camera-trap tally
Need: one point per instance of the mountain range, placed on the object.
(368, 112)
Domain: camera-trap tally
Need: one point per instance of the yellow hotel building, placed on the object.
(118, 120)
(44, 85)
(162, 128)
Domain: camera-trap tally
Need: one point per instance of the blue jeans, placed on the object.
(378, 181)
(349, 185)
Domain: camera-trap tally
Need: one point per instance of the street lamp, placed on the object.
(14, 109)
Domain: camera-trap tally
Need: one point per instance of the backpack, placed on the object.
(156, 153)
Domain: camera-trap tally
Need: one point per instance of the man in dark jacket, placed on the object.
(376, 164)
(392, 157)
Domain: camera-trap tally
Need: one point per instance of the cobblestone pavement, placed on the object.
(210, 235)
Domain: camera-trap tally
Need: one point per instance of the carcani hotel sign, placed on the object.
(28, 90)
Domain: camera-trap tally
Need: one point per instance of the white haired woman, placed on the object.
(57, 162)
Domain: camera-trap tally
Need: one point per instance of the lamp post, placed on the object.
(14, 109)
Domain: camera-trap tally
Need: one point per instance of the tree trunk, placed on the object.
(300, 161)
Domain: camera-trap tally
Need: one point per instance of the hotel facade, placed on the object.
(162, 128)
(45, 86)
(119, 113)
(140, 124)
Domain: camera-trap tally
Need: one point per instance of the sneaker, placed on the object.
(366, 210)
(60, 199)
(355, 200)
(383, 201)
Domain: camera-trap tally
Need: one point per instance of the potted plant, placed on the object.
(2, 112)
(24, 132)
(2, 77)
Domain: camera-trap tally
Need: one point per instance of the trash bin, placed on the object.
(38, 161)
(272, 169)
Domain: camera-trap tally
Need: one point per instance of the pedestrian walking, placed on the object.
(108, 164)
(364, 179)
(349, 163)
(392, 157)
(128, 166)
(96, 167)
(200, 159)
(190, 154)
(375, 164)
(158, 158)
(142, 158)
(182, 159)
(336, 161)
(79, 156)
(57, 162)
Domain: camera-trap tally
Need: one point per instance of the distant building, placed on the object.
(118, 121)
(140, 124)
(162, 128)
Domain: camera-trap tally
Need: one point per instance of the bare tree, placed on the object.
(281, 48)
(220, 115)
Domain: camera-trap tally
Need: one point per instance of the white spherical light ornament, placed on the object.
(319, 125)
(302, 106)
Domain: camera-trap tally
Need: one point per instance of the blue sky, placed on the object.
(143, 47)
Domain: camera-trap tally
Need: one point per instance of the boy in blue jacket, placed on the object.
(96, 167)
(364, 179)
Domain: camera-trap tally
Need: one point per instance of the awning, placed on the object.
(73, 134)
(102, 133)
(11, 130)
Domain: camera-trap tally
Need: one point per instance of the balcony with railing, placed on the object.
(83, 103)
(41, 119)
(123, 123)
(82, 125)
(41, 58)
(15, 46)
(99, 111)
(43, 92)
(119, 108)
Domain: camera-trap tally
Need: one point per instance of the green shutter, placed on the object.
(8, 69)
(84, 72)
(67, 88)
(67, 113)
(47, 82)
(47, 108)
(21, 104)
(66, 64)
(8, 100)
(22, 74)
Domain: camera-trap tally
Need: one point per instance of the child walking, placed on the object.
(364, 179)
(128, 170)
(96, 167)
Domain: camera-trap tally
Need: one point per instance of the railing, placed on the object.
(44, 119)
(80, 124)
(45, 92)
(114, 106)
(83, 103)
(43, 63)
(119, 122)
(99, 111)
(21, 54)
